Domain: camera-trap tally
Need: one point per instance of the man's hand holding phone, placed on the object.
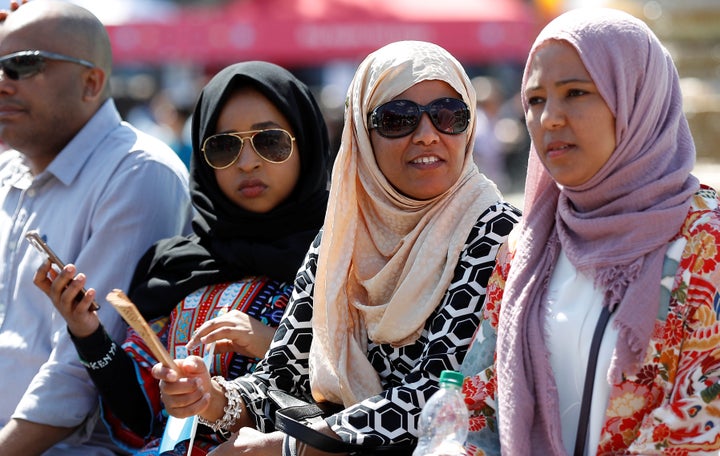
(66, 289)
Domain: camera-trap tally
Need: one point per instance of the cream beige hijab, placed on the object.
(386, 260)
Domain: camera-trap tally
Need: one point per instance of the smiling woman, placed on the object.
(392, 288)
(426, 161)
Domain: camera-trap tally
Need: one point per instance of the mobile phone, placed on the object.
(41, 246)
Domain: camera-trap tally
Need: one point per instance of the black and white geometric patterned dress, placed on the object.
(408, 374)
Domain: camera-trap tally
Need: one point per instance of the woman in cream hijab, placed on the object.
(391, 290)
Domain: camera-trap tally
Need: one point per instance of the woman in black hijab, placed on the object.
(259, 172)
(230, 242)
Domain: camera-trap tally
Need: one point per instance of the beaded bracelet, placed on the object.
(232, 410)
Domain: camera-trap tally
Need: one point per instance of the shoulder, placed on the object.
(704, 214)
(500, 211)
(149, 149)
(487, 237)
(496, 221)
(693, 254)
(116, 144)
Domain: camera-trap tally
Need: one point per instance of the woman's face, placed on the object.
(425, 163)
(570, 124)
(251, 182)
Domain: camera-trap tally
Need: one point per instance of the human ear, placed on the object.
(93, 83)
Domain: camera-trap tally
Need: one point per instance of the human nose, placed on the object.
(6, 84)
(552, 116)
(247, 159)
(425, 133)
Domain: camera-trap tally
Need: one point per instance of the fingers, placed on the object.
(86, 303)
(251, 441)
(184, 398)
(226, 339)
(64, 291)
(70, 289)
(74, 289)
(41, 279)
(63, 279)
(165, 374)
(205, 334)
(234, 332)
(194, 365)
(188, 395)
(14, 5)
(190, 366)
(225, 346)
(54, 284)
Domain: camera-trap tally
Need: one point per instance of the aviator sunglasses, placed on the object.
(398, 118)
(26, 64)
(274, 145)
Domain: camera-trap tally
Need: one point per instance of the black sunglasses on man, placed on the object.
(26, 64)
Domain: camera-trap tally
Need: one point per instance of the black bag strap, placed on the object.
(581, 438)
(291, 419)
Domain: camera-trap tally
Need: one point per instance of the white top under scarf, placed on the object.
(574, 306)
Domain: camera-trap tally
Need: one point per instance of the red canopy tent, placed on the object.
(312, 32)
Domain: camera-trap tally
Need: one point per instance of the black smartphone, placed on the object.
(41, 246)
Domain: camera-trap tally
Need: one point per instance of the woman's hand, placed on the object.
(193, 393)
(63, 289)
(234, 331)
(14, 5)
(251, 442)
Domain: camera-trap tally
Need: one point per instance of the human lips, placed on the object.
(252, 188)
(425, 160)
(9, 110)
(557, 148)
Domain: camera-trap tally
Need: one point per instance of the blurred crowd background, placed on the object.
(165, 50)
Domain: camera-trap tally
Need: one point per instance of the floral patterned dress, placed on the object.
(671, 405)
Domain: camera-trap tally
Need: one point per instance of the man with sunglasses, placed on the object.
(99, 191)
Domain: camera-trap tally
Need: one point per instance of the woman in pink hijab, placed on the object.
(600, 332)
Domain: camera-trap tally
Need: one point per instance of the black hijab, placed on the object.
(228, 242)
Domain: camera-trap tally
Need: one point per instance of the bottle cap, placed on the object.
(451, 377)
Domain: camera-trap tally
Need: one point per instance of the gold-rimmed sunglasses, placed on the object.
(273, 145)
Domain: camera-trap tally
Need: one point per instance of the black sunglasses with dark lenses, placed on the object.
(26, 64)
(398, 118)
(273, 145)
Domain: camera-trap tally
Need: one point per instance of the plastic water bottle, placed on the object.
(443, 425)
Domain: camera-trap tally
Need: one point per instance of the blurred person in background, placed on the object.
(488, 149)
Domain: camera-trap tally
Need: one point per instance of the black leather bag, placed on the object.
(294, 417)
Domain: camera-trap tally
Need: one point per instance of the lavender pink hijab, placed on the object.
(615, 227)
